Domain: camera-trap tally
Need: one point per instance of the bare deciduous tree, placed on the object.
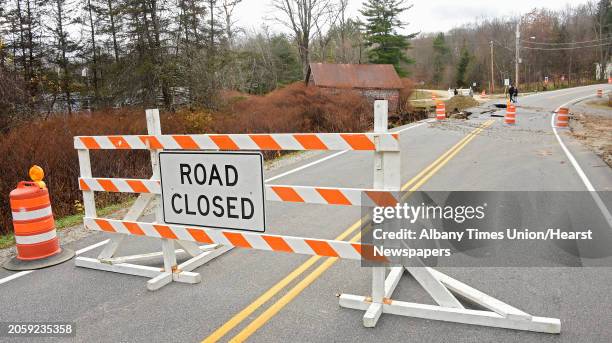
(302, 17)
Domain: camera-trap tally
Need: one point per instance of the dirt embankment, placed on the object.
(596, 132)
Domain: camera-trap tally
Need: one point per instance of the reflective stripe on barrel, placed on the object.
(32, 215)
(34, 239)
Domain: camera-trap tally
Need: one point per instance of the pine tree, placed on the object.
(386, 45)
(440, 58)
(462, 67)
(63, 46)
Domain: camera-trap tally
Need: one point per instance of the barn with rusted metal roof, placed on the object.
(373, 81)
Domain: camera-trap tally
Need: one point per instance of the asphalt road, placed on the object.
(108, 307)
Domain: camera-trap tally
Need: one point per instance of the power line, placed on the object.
(565, 43)
(567, 48)
(502, 46)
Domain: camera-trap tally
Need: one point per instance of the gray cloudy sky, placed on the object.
(425, 16)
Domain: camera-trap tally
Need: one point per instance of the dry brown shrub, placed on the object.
(296, 108)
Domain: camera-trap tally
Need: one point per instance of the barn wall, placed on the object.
(392, 95)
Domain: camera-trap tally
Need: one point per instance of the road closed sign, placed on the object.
(213, 189)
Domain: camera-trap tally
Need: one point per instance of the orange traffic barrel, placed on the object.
(600, 93)
(433, 96)
(440, 110)
(510, 117)
(34, 228)
(562, 117)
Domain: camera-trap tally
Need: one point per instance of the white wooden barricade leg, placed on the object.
(438, 285)
(107, 260)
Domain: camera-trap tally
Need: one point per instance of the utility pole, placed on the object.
(517, 57)
(492, 87)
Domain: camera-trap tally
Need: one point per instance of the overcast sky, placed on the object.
(425, 16)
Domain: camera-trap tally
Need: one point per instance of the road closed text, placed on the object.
(223, 190)
(204, 205)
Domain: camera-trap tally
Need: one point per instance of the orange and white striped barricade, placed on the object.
(510, 117)
(34, 227)
(562, 118)
(150, 189)
(600, 93)
(386, 168)
(440, 110)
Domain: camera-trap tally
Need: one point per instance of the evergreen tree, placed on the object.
(462, 67)
(386, 45)
(440, 58)
(63, 46)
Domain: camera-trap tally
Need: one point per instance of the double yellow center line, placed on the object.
(412, 185)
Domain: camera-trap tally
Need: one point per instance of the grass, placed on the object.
(601, 104)
(8, 240)
(420, 95)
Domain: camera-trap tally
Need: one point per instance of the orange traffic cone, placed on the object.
(440, 110)
(510, 117)
(34, 227)
(483, 94)
(562, 118)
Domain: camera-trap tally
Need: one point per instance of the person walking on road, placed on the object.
(511, 93)
(515, 95)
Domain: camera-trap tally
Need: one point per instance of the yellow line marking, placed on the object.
(310, 278)
(434, 163)
(469, 137)
(287, 298)
(262, 299)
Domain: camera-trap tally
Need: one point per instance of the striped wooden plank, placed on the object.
(247, 240)
(281, 141)
(281, 193)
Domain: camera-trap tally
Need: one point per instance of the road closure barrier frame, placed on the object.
(386, 187)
